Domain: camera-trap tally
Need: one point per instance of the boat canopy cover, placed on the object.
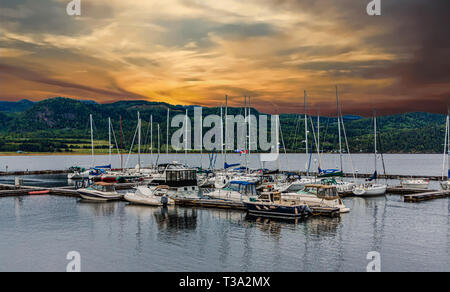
(104, 166)
(226, 165)
(328, 171)
(239, 182)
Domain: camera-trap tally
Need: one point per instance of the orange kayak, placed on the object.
(39, 193)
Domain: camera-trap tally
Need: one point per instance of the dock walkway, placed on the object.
(415, 198)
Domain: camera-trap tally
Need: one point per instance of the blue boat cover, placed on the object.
(244, 183)
(104, 166)
(226, 165)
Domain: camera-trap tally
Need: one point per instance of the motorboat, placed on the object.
(174, 175)
(370, 189)
(342, 187)
(78, 175)
(415, 183)
(76, 172)
(151, 196)
(292, 186)
(100, 192)
(237, 191)
(318, 195)
(272, 205)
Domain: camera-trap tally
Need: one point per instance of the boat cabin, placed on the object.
(271, 197)
(243, 187)
(328, 192)
(176, 175)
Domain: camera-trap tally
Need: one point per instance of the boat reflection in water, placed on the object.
(170, 218)
(312, 226)
(103, 209)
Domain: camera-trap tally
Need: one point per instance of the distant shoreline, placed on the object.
(10, 154)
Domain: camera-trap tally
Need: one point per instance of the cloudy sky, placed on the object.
(197, 51)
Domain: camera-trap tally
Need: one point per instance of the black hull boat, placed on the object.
(271, 205)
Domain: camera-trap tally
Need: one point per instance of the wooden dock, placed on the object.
(33, 172)
(415, 198)
(13, 191)
(399, 190)
(222, 204)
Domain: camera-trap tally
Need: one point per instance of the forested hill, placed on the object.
(54, 125)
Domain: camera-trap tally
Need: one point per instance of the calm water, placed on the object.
(407, 164)
(36, 233)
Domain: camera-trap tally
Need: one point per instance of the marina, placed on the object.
(250, 190)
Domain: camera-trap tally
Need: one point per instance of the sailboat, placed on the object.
(445, 184)
(81, 173)
(372, 188)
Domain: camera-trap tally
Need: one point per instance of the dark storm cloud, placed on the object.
(37, 76)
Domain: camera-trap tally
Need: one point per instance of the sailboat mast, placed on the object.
(109, 134)
(246, 121)
(151, 138)
(339, 129)
(167, 133)
(159, 142)
(139, 141)
(92, 139)
(375, 137)
(226, 126)
(446, 147)
(221, 134)
(121, 144)
(186, 136)
(249, 127)
(306, 131)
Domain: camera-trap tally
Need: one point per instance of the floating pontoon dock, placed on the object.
(426, 196)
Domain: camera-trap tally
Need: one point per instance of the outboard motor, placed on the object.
(164, 200)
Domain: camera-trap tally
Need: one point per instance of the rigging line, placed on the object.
(381, 150)
(444, 160)
(348, 148)
(284, 146)
(115, 140)
(296, 133)
(147, 136)
(132, 145)
(325, 136)
(315, 140)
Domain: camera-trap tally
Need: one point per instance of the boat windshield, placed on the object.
(109, 189)
(243, 188)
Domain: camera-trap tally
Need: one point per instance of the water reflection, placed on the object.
(101, 209)
(171, 219)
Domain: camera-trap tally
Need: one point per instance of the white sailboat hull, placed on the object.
(415, 184)
(370, 191)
